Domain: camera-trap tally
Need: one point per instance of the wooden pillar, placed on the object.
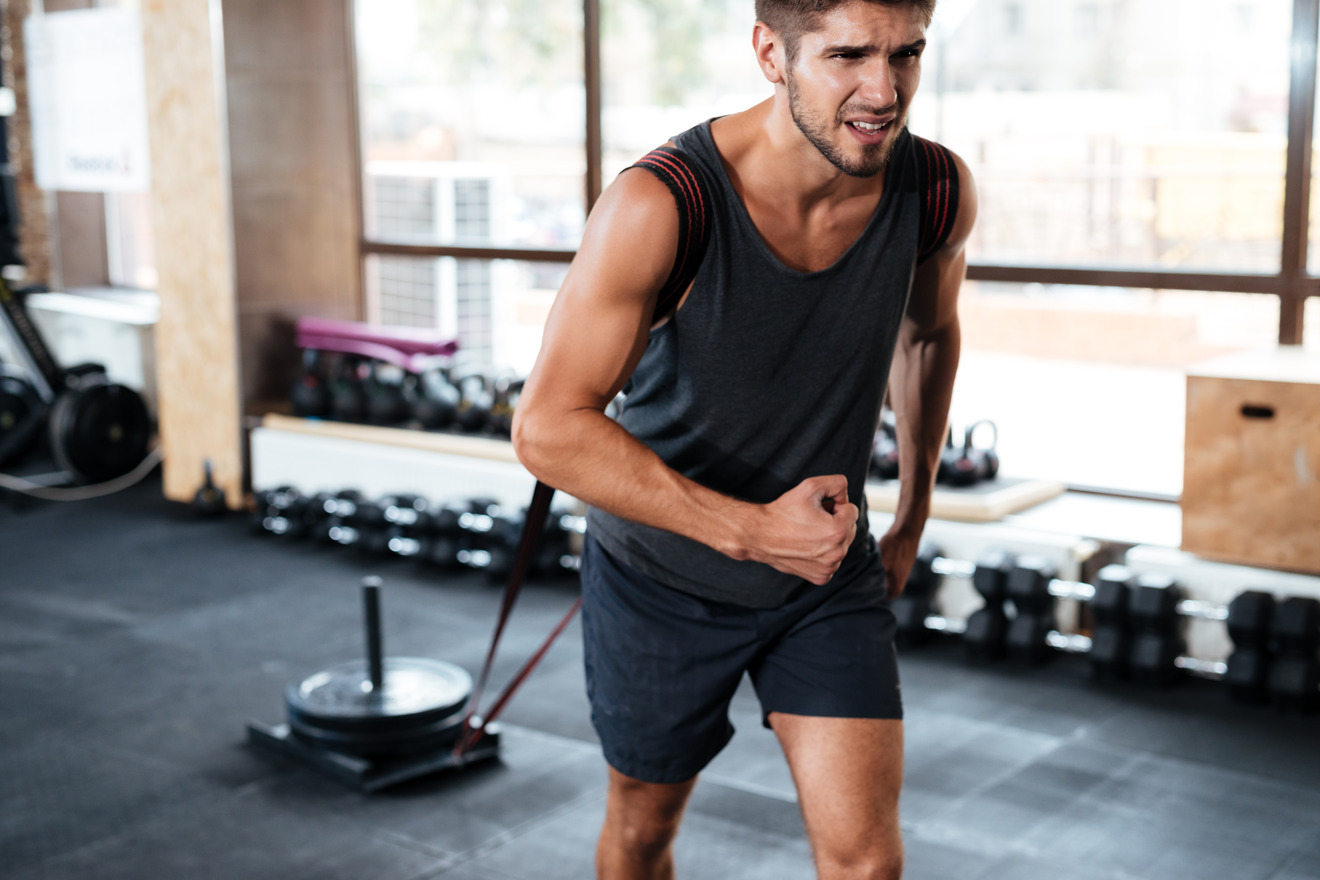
(196, 338)
(35, 244)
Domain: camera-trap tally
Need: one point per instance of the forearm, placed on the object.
(921, 389)
(591, 457)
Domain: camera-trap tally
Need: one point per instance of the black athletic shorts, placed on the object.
(662, 665)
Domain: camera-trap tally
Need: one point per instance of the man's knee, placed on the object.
(646, 837)
(861, 863)
(643, 818)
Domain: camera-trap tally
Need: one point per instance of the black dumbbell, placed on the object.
(1247, 675)
(281, 511)
(328, 515)
(1294, 677)
(983, 633)
(437, 540)
(555, 554)
(914, 604)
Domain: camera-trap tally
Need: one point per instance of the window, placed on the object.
(1119, 145)
(1086, 384)
(1012, 19)
(495, 308)
(668, 66)
(472, 121)
(1132, 161)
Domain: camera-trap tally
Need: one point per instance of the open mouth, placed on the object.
(871, 127)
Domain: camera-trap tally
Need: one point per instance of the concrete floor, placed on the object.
(136, 641)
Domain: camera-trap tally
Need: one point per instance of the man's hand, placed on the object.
(898, 552)
(807, 531)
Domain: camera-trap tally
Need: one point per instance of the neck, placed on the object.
(763, 144)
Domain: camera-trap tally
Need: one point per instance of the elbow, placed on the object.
(526, 438)
(537, 437)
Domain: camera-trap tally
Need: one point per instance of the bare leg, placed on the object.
(848, 773)
(641, 820)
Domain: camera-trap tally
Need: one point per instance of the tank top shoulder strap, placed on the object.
(679, 173)
(937, 181)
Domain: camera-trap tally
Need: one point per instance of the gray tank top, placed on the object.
(767, 376)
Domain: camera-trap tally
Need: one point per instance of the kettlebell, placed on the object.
(967, 465)
(437, 399)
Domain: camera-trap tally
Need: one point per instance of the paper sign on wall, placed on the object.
(87, 93)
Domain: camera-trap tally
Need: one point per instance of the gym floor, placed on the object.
(136, 641)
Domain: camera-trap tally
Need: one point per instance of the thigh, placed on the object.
(661, 668)
(836, 658)
(848, 773)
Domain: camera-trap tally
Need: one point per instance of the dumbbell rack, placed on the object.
(1137, 625)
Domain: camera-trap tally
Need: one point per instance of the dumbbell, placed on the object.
(494, 537)
(556, 554)
(1247, 674)
(281, 511)
(913, 609)
(984, 632)
(380, 522)
(434, 538)
(1136, 620)
(487, 534)
(1017, 618)
(1294, 676)
(328, 513)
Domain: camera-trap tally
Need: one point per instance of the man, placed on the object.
(726, 509)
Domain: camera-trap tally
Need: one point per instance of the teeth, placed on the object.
(870, 126)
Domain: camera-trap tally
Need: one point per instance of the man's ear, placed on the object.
(770, 52)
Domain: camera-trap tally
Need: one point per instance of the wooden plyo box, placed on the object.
(1251, 481)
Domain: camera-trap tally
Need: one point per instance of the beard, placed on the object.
(874, 158)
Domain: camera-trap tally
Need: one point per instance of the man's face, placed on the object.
(853, 80)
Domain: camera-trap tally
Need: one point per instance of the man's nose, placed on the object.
(879, 89)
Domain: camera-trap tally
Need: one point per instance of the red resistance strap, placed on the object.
(677, 170)
(474, 725)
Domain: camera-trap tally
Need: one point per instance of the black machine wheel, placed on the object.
(99, 430)
(22, 413)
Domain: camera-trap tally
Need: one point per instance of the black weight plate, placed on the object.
(100, 431)
(384, 743)
(417, 692)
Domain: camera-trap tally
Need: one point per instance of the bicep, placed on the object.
(598, 326)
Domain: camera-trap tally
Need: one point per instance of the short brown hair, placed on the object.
(790, 19)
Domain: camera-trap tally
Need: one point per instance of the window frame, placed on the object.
(1292, 284)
